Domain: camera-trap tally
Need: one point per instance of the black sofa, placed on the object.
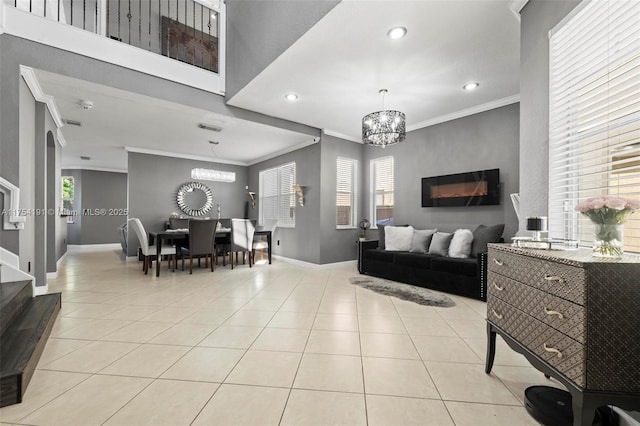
(462, 276)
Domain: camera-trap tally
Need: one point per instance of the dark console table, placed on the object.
(574, 317)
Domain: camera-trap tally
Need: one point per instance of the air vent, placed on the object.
(210, 127)
(72, 122)
(84, 157)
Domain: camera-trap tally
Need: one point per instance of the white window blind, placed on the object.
(382, 190)
(594, 125)
(346, 184)
(277, 196)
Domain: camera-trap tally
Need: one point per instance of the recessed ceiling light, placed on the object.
(471, 86)
(291, 97)
(397, 32)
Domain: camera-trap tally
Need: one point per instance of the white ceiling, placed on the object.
(339, 65)
(122, 119)
(336, 68)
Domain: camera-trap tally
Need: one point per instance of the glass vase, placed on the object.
(608, 240)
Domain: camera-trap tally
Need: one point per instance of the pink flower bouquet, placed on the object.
(607, 213)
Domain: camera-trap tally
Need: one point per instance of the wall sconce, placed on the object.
(252, 199)
(300, 191)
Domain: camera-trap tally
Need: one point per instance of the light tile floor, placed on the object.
(274, 344)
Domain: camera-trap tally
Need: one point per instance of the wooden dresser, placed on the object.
(575, 317)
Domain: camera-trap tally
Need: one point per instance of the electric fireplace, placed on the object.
(481, 188)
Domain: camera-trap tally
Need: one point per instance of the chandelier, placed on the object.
(382, 128)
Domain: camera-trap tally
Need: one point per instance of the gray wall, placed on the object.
(259, 31)
(338, 245)
(154, 181)
(303, 241)
(96, 190)
(27, 136)
(538, 17)
(103, 190)
(482, 141)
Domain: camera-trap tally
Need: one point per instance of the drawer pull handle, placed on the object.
(552, 350)
(554, 278)
(498, 262)
(551, 312)
(497, 287)
(496, 314)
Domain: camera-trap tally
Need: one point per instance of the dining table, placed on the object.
(178, 234)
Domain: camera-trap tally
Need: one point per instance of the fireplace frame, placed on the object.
(491, 198)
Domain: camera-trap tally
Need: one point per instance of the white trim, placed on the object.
(89, 247)
(518, 5)
(61, 140)
(313, 265)
(283, 151)
(36, 90)
(131, 259)
(97, 169)
(66, 37)
(40, 290)
(184, 156)
(14, 220)
(342, 136)
(61, 259)
(52, 275)
(465, 112)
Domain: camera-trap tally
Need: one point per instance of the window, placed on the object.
(594, 129)
(277, 199)
(68, 192)
(346, 185)
(382, 191)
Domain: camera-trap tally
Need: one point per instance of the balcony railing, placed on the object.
(183, 30)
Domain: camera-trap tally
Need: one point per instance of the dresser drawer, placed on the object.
(564, 316)
(561, 280)
(558, 350)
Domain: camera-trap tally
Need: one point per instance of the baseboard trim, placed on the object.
(86, 247)
(131, 259)
(52, 275)
(61, 259)
(313, 265)
(40, 290)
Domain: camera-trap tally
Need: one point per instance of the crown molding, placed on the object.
(341, 135)
(465, 112)
(95, 169)
(184, 156)
(61, 140)
(517, 5)
(284, 151)
(30, 78)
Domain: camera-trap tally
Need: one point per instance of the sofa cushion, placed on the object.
(440, 243)
(461, 243)
(468, 267)
(398, 238)
(414, 260)
(381, 236)
(379, 254)
(421, 239)
(484, 235)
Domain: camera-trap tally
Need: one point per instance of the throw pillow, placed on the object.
(440, 243)
(461, 243)
(421, 239)
(398, 238)
(484, 235)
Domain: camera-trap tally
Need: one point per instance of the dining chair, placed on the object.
(201, 243)
(148, 252)
(260, 242)
(242, 231)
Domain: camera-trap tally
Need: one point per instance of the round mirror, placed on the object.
(195, 198)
